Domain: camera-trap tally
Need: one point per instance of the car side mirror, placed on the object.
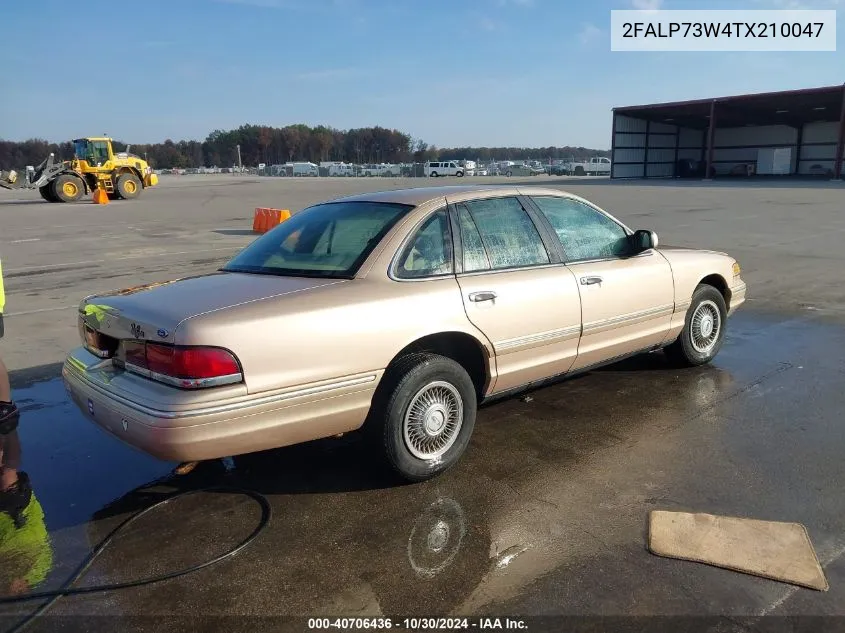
(643, 240)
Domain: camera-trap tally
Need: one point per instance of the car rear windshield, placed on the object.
(327, 240)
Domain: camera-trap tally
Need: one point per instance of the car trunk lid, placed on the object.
(152, 312)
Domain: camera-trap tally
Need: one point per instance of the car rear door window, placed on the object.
(584, 232)
(508, 233)
(429, 252)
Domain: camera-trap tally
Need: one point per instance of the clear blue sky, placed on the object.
(452, 72)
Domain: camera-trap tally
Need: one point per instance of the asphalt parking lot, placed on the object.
(546, 513)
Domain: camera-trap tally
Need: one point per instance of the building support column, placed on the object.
(677, 145)
(798, 149)
(645, 149)
(840, 143)
(613, 144)
(711, 136)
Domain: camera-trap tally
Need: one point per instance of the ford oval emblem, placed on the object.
(162, 333)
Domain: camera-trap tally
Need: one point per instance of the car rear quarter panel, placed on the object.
(351, 329)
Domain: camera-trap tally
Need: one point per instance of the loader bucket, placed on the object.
(8, 179)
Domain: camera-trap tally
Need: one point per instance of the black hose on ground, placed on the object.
(68, 590)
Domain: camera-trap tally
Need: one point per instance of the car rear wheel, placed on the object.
(459, 174)
(434, 174)
(423, 416)
(704, 329)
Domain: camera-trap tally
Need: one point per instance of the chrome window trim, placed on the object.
(575, 262)
(499, 271)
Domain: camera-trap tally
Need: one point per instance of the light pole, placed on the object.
(240, 164)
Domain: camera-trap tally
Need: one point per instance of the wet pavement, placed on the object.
(546, 513)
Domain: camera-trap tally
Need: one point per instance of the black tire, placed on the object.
(67, 188)
(434, 174)
(128, 186)
(509, 174)
(459, 174)
(579, 171)
(402, 383)
(47, 192)
(683, 351)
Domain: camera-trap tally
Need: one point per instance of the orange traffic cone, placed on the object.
(255, 221)
(100, 196)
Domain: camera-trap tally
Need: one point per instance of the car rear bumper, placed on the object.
(738, 293)
(178, 427)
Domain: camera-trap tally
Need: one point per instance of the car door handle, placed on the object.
(590, 281)
(485, 295)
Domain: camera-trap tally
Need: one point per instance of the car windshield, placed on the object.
(327, 240)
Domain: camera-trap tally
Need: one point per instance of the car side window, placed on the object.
(429, 253)
(584, 232)
(508, 233)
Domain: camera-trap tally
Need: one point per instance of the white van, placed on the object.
(305, 169)
(342, 169)
(434, 169)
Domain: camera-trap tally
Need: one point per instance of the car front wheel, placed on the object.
(704, 329)
(424, 415)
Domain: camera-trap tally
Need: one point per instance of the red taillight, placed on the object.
(189, 367)
(191, 362)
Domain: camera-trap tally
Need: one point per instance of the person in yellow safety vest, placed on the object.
(26, 554)
(8, 410)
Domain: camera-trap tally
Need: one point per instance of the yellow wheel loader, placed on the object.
(94, 165)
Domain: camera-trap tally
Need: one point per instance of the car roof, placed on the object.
(420, 195)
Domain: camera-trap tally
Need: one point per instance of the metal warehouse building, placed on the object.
(797, 132)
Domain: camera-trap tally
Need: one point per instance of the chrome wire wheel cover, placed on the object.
(433, 420)
(705, 327)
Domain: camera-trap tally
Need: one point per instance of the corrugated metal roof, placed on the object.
(803, 92)
(788, 107)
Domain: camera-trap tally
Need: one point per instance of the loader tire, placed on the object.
(128, 186)
(47, 192)
(68, 188)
